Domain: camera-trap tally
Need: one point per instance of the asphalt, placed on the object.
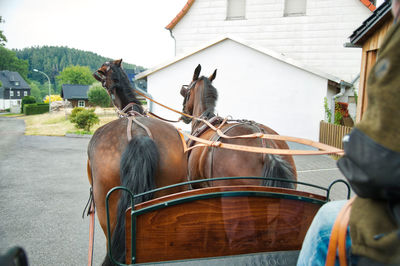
(44, 188)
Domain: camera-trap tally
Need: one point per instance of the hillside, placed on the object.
(52, 60)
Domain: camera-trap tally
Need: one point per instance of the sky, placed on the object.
(133, 30)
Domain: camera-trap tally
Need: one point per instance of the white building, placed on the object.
(253, 83)
(311, 31)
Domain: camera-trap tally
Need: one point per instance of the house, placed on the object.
(77, 95)
(369, 37)
(310, 31)
(13, 88)
(253, 83)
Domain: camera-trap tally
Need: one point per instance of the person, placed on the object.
(371, 164)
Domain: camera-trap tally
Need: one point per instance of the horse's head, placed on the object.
(116, 82)
(193, 103)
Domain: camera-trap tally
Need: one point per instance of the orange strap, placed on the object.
(323, 148)
(91, 235)
(338, 236)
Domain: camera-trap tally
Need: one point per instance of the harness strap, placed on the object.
(161, 118)
(323, 148)
(337, 240)
(131, 120)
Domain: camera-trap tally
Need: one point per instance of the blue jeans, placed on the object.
(315, 245)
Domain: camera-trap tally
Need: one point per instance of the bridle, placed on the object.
(187, 89)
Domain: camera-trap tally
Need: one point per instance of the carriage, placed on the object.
(225, 193)
(236, 225)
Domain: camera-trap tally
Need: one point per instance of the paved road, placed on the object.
(44, 188)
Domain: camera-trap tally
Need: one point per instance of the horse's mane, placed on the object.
(210, 97)
(124, 84)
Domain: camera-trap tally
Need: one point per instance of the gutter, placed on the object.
(173, 37)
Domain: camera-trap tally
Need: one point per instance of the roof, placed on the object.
(73, 91)
(265, 51)
(189, 3)
(180, 15)
(11, 79)
(381, 15)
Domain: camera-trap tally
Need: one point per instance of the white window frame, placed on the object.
(81, 103)
(239, 13)
(295, 8)
(25, 93)
(18, 93)
(11, 93)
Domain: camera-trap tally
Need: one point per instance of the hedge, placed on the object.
(37, 108)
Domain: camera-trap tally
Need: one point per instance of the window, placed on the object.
(11, 93)
(295, 8)
(18, 93)
(236, 9)
(16, 83)
(81, 103)
(25, 93)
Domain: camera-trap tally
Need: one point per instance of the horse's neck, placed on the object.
(198, 109)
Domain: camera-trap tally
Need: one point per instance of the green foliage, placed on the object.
(98, 96)
(27, 100)
(356, 97)
(74, 112)
(328, 111)
(1, 84)
(35, 91)
(338, 115)
(3, 38)
(52, 60)
(9, 61)
(85, 119)
(81, 75)
(37, 108)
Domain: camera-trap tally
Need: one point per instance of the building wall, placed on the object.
(251, 85)
(316, 39)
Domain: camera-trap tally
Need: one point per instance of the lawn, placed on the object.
(57, 123)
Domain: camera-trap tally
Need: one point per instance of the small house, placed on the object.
(13, 88)
(77, 95)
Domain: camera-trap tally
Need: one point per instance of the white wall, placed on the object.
(316, 39)
(251, 85)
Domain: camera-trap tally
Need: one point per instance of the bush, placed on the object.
(85, 119)
(74, 112)
(27, 100)
(53, 98)
(34, 109)
(98, 96)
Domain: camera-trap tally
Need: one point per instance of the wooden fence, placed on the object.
(332, 134)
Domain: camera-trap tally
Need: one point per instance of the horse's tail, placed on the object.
(277, 167)
(139, 164)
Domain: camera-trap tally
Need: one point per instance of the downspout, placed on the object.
(343, 85)
(172, 36)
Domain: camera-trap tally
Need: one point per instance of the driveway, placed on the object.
(44, 188)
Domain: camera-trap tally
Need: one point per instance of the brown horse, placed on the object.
(153, 158)
(207, 162)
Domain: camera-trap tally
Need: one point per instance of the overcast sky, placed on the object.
(133, 30)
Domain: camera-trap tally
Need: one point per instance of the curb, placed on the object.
(70, 135)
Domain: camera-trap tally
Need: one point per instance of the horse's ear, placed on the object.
(118, 62)
(196, 72)
(212, 77)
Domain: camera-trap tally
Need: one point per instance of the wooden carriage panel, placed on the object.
(222, 225)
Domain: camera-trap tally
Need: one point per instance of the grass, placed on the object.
(57, 124)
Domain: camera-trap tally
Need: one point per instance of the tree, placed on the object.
(76, 75)
(35, 91)
(98, 95)
(9, 61)
(3, 38)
